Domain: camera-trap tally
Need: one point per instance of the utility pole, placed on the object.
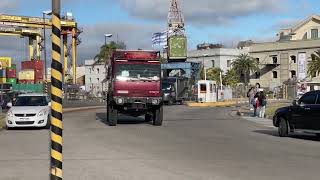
(56, 95)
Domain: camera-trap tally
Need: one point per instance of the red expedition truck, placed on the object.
(134, 86)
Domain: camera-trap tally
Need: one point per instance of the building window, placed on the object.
(213, 63)
(293, 59)
(258, 60)
(314, 33)
(89, 70)
(90, 80)
(229, 62)
(275, 59)
(305, 36)
(98, 80)
(293, 74)
(258, 75)
(275, 74)
(98, 70)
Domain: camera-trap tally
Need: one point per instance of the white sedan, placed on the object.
(29, 110)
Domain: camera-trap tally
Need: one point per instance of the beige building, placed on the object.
(287, 58)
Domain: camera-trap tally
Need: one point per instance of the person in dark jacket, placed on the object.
(262, 104)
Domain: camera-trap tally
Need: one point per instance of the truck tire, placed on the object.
(158, 117)
(148, 117)
(283, 128)
(112, 116)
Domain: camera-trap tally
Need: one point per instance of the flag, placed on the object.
(159, 39)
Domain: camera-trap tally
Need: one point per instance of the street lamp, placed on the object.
(105, 38)
(44, 13)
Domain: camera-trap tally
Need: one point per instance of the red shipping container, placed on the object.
(37, 64)
(38, 75)
(27, 65)
(11, 73)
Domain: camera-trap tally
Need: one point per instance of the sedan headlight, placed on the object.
(10, 114)
(119, 100)
(42, 112)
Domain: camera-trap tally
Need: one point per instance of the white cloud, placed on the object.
(8, 6)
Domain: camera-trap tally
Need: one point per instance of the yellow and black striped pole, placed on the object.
(56, 95)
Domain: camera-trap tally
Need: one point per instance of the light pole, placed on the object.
(105, 44)
(44, 13)
(204, 67)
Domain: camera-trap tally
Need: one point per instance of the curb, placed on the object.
(216, 104)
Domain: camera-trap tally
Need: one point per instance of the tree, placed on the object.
(314, 64)
(106, 51)
(231, 78)
(245, 65)
(214, 74)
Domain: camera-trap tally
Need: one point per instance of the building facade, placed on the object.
(287, 59)
(95, 74)
(215, 58)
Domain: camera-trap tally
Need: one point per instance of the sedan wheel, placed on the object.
(283, 129)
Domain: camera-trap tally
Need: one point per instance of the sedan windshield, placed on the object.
(31, 101)
(137, 72)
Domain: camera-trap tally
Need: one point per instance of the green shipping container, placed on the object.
(12, 80)
(177, 47)
(28, 88)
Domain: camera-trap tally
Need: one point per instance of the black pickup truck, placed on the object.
(302, 116)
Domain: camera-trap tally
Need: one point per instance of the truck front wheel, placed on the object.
(158, 117)
(112, 116)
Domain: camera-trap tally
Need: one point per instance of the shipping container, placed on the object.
(35, 88)
(32, 65)
(5, 62)
(11, 73)
(3, 73)
(26, 75)
(12, 80)
(38, 75)
(3, 80)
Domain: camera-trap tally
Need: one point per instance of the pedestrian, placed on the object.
(263, 103)
(256, 104)
(250, 94)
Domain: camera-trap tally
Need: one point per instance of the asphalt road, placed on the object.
(194, 143)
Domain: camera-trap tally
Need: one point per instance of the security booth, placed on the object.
(207, 91)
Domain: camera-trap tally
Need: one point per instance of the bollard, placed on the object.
(56, 95)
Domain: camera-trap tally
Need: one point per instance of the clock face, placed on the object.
(178, 47)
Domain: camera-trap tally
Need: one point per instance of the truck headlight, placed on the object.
(120, 100)
(155, 101)
(42, 112)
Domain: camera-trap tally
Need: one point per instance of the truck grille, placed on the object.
(25, 115)
(24, 122)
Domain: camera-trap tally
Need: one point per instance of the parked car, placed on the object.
(302, 116)
(29, 110)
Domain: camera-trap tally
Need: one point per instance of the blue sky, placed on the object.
(134, 21)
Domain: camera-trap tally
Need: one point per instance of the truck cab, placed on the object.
(134, 86)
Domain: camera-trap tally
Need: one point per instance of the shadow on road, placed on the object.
(121, 119)
(274, 133)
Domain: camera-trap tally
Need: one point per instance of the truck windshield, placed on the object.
(137, 72)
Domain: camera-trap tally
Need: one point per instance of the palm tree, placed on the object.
(231, 78)
(106, 51)
(314, 64)
(214, 74)
(245, 65)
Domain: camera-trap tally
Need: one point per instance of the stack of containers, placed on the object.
(3, 79)
(32, 72)
(12, 74)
